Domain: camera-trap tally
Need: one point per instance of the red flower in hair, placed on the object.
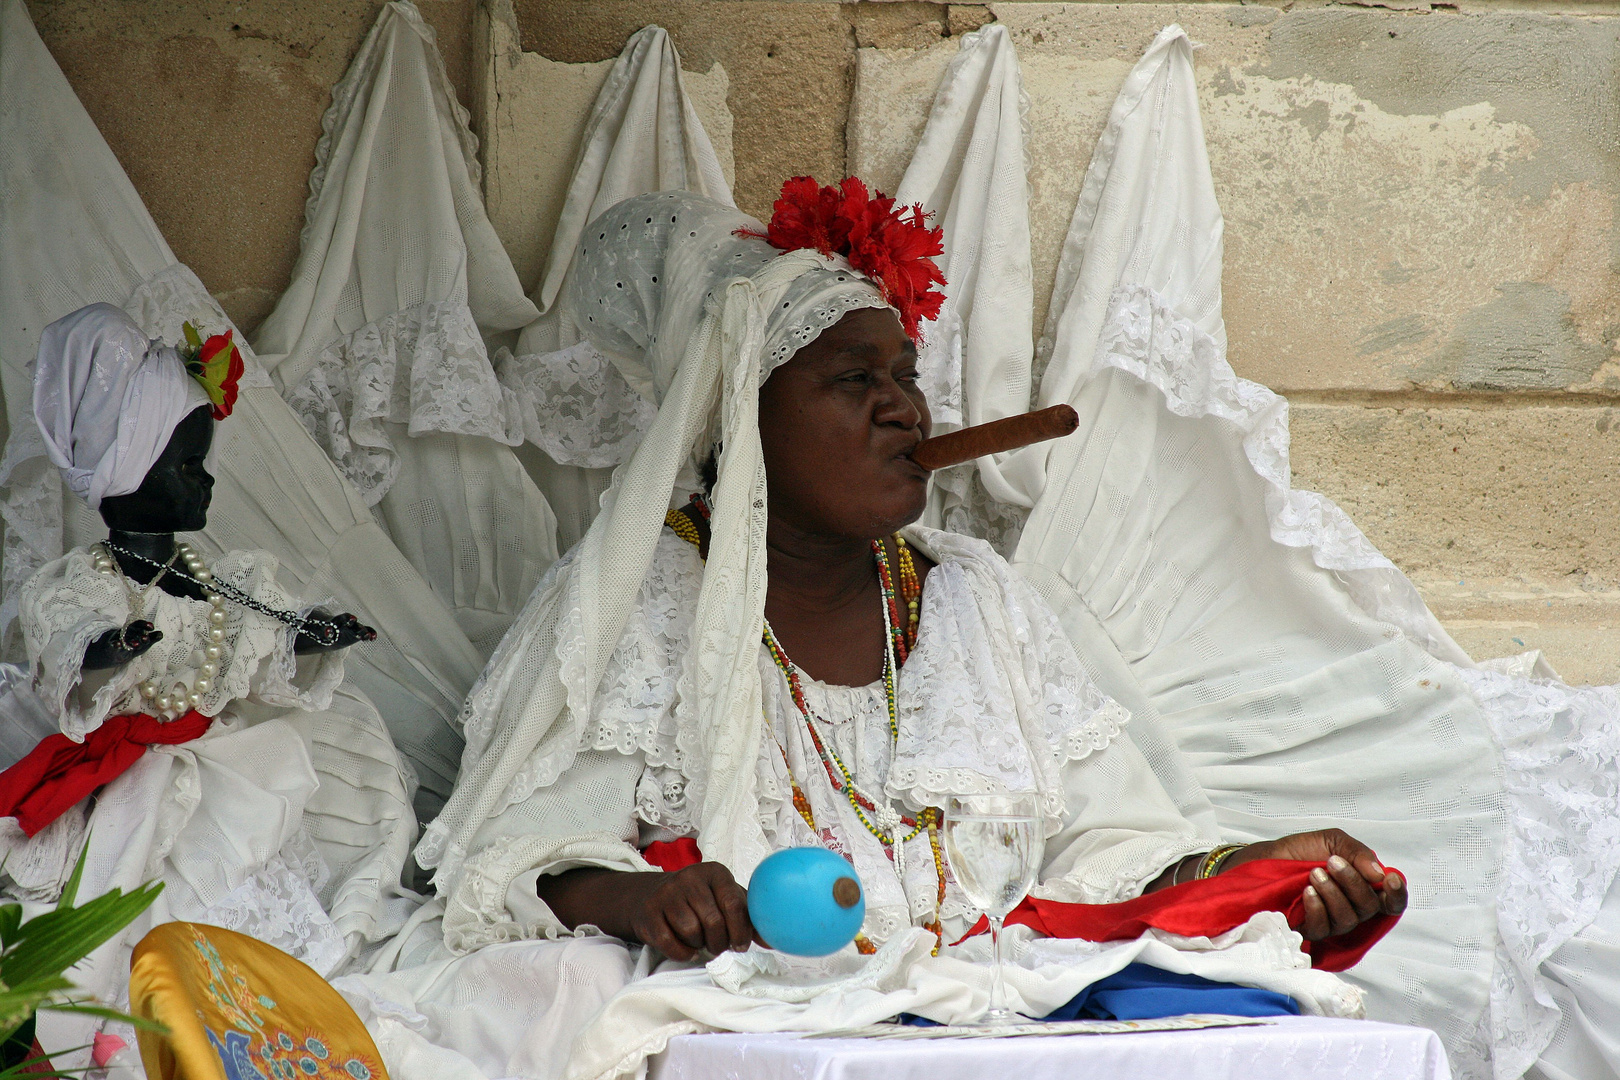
(217, 365)
(895, 249)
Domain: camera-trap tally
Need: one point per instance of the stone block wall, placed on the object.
(1420, 246)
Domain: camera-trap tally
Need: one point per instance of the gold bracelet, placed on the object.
(1212, 863)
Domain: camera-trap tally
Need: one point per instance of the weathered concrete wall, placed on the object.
(1420, 251)
(214, 108)
(1421, 246)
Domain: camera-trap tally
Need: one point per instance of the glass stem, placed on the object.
(998, 997)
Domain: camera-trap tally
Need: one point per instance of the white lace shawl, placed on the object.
(68, 603)
(735, 309)
(992, 699)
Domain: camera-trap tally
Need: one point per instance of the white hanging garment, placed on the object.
(969, 172)
(73, 231)
(1259, 637)
(378, 342)
(643, 135)
(1146, 214)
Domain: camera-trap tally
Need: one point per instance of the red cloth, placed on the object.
(1196, 909)
(672, 855)
(59, 772)
(1203, 909)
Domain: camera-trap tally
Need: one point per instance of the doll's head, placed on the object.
(129, 421)
(175, 493)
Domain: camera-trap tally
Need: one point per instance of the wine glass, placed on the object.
(994, 845)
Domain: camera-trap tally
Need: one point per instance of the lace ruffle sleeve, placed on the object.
(69, 603)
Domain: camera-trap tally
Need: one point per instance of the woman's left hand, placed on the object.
(1341, 897)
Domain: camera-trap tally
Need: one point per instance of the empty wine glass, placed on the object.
(994, 844)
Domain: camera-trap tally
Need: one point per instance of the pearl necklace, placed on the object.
(170, 701)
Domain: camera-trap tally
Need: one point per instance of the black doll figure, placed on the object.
(208, 738)
(174, 497)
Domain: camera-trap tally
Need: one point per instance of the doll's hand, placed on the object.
(119, 646)
(350, 631)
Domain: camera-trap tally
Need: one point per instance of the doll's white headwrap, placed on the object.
(107, 399)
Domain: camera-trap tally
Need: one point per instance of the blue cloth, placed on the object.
(1141, 992)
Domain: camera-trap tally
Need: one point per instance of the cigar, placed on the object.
(996, 437)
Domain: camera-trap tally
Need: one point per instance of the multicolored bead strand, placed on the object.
(900, 637)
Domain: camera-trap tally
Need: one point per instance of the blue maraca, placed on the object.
(806, 901)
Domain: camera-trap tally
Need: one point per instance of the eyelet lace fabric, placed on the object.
(576, 406)
(425, 368)
(1561, 758)
(1145, 337)
(69, 603)
(30, 487)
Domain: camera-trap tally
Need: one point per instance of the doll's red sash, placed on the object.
(59, 772)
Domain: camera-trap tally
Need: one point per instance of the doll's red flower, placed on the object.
(218, 365)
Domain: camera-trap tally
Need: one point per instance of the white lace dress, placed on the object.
(288, 820)
(992, 698)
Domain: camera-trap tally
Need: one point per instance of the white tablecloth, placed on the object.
(1293, 1048)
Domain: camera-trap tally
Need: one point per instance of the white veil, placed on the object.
(701, 315)
(1265, 646)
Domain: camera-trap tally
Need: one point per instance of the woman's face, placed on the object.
(838, 423)
(175, 494)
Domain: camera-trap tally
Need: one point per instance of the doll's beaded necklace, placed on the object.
(177, 697)
(879, 819)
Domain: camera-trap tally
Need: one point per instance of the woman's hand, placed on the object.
(1342, 897)
(118, 647)
(679, 914)
(350, 631)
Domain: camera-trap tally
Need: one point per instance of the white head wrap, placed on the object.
(697, 317)
(107, 399)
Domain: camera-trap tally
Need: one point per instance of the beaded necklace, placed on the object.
(169, 699)
(321, 631)
(900, 638)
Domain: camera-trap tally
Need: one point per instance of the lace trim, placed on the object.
(424, 367)
(1144, 337)
(69, 603)
(1561, 757)
(813, 321)
(174, 296)
(576, 406)
(993, 697)
(277, 905)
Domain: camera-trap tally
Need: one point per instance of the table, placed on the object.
(1291, 1048)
